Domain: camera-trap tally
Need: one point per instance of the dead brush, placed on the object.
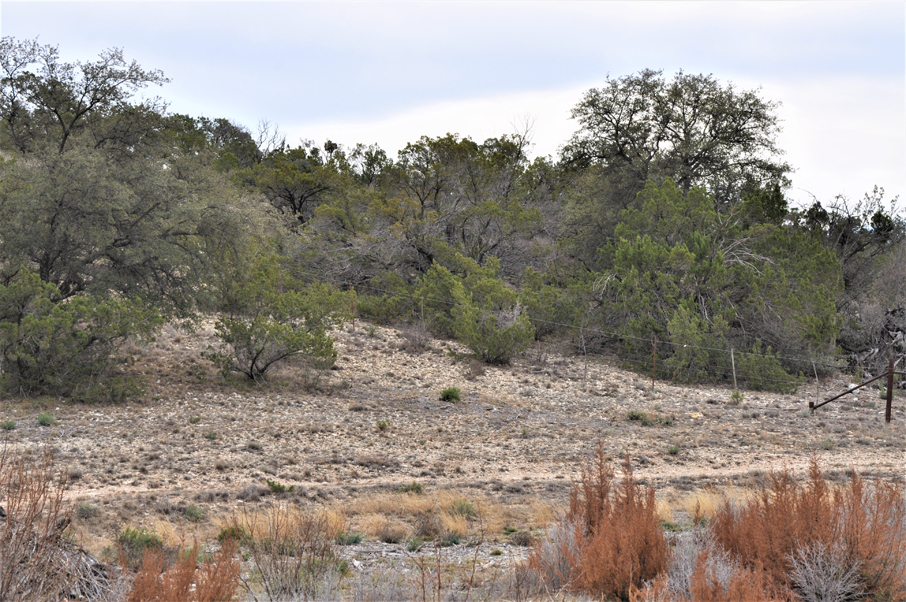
(32, 555)
(37, 560)
(860, 526)
(617, 542)
(292, 552)
(213, 580)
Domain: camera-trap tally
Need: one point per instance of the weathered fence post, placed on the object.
(733, 363)
(654, 367)
(889, 391)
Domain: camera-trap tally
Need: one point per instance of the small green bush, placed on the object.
(349, 539)
(640, 417)
(382, 425)
(210, 436)
(413, 487)
(414, 544)
(194, 514)
(451, 394)
(673, 450)
(761, 370)
(86, 511)
(133, 542)
(276, 487)
(8, 425)
(450, 539)
(234, 532)
(46, 419)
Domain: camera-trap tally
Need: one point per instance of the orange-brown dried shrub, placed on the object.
(214, 580)
(866, 524)
(618, 539)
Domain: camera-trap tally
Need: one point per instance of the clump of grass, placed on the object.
(210, 436)
(463, 508)
(46, 419)
(194, 514)
(413, 487)
(673, 450)
(8, 425)
(277, 487)
(451, 394)
(382, 425)
(522, 538)
(349, 539)
(232, 532)
(194, 419)
(85, 511)
(640, 417)
(736, 397)
(450, 539)
(414, 544)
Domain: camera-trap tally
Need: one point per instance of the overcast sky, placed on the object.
(391, 72)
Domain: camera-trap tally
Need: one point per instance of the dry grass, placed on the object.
(292, 551)
(403, 511)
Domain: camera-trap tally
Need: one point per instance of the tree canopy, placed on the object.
(665, 215)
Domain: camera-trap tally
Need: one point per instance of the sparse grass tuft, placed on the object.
(8, 425)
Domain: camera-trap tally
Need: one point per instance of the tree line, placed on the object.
(663, 215)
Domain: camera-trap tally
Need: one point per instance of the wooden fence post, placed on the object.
(889, 391)
(654, 368)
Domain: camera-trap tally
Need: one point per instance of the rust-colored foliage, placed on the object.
(214, 580)
(742, 585)
(620, 542)
(867, 523)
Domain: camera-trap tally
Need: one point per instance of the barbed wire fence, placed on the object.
(654, 358)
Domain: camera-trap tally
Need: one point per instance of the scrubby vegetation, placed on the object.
(789, 540)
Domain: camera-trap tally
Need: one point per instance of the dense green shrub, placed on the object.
(490, 320)
(389, 299)
(451, 394)
(700, 349)
(269, 317)
(132, 544)
(66, 347)
(761, 370)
